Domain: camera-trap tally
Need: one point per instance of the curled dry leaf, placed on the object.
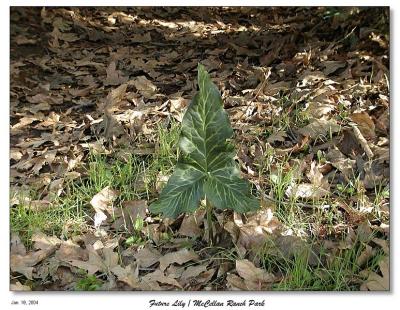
(101, 202)
(344, 164)
(180, 257)
(319, 186)
(254, 278)
(375, 282)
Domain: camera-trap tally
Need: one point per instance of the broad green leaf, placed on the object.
(207, 167)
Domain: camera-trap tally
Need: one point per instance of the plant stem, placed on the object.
(209, 222)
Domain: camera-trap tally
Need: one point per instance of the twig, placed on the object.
(363, 142)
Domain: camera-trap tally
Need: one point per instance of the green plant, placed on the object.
(89, 283)
(206, 167)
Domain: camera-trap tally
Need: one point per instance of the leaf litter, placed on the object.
(322, 101)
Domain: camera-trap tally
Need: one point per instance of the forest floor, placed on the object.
(97, 97)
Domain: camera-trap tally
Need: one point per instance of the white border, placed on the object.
(139, 300)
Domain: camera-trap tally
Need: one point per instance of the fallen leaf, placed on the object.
(384, 244)
(344, 164)
(365, 255)
(147, 256)
(17, 286)
(127, 275)
(70, 251)
(44, 242)
(331, 66)
(191, 272)
(144, 86)
(320, 127)
(235, 283)
(158, 276)
(365, 124)
(180, 257)
(190, 224)
(17, 247)
(103, 201)
(376, 282)
(254, 278)
(114, 76)
(125, 217)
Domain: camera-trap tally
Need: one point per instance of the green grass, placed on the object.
(134, 177)
(334, 272)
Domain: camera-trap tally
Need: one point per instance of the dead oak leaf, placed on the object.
(158, 276)
(147, 257)
(96, 263)
(320, 127)
(127, 275)
(144, 86)
(365, 124)
(114, 76)
(127, 215)
(254, 278)
(376, 282)
(180, 257)
(190, 224)
(17, 247)
(69, 251)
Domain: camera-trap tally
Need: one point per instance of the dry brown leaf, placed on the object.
(125, 217)
(43, 242)
(17, 286)
(256, 230)
(158, 276)
(96, 262)
(331, 66)
(147, 257)
(376, 282)
(235, 283)
(70, 251)
(344, 164)
(191, 272)
(114, 76)
(365, 124)
(144, 86)
(320, 127)
(319, 186)
(17, 247)
(254, 278)
(384, 244)
(190, 224)
(365, 256)
(127, 275)
(24, 263)
(180, 257)
(103, 201)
